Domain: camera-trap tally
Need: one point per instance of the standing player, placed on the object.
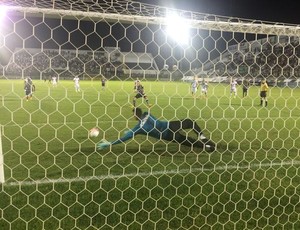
(140, 93)
(194, 86)
(263, 92)
(164, 130)
(29, 88)
(233, 88)
(246, 85)
(136, 83)
(103, 83)
(54, 81)
(76, 83)
(204, 88)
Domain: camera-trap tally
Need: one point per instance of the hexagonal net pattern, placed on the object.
(196, 135)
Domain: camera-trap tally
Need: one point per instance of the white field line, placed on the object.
(155, 173)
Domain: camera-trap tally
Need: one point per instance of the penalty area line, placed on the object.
(154, 173)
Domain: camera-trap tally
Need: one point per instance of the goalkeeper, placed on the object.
(164, 130)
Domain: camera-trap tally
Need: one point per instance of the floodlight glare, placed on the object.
(178, 28)
(2, 16)
(2, 12)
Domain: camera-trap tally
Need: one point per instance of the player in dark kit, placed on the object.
(29, 88)
(140, 93)
(246, 85)
(103, 83)
(164, 130)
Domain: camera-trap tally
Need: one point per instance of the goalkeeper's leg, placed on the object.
(188, 124)
(191, 142)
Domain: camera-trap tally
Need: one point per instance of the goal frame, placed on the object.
(197, 21)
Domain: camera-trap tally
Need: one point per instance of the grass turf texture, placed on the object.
(250, 181)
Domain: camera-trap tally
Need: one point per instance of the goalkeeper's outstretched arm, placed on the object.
(128, 134)
(104, 144)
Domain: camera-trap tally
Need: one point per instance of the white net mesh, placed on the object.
(69, 66)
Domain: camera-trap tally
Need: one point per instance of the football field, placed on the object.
(56, 179)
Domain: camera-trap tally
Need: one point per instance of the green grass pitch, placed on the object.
(56, 179)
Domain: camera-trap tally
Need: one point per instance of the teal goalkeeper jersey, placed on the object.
(148, 125)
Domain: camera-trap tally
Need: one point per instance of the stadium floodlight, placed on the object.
(177, 28)
(3, 11)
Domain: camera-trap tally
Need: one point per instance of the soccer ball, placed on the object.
(94, 132)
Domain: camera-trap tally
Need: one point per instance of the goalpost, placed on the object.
(55, 178)
(1, 159)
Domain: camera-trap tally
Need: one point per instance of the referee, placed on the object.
(263, 93)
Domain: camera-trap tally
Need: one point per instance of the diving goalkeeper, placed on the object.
(164, 130)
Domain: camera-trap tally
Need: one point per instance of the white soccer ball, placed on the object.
(94, 132)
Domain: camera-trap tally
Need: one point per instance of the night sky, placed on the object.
(265, 10)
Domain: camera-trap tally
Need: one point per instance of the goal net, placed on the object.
(67, 67)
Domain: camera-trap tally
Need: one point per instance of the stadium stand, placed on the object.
(68, 63)
(279, 67)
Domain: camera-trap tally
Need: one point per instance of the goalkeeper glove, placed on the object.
(103, 144)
